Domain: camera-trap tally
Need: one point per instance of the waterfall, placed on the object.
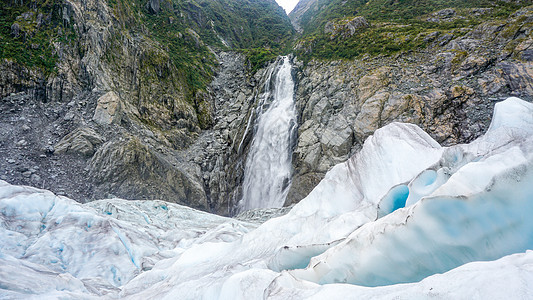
(267, 172)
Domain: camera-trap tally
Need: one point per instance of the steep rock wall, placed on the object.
(448, 89)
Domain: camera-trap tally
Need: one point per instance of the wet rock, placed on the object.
(301, 186)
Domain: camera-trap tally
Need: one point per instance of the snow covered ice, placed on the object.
(403, 218)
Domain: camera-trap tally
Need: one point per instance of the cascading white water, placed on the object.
(267, 171)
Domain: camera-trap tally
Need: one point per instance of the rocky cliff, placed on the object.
(448, 88)
(132, 88)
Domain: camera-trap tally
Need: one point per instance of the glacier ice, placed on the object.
(402, 218)
(105, 243)
(510, 277)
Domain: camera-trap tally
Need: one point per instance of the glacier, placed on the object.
(402, 218)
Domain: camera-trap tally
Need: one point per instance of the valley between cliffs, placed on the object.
(222, 149)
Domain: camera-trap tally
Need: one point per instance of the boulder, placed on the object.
(369, 119)
(329, 27)
(15, 30)
(108, 110)
(130, 169)
(354, 24)
(153, 6)
(373, 82)
(82, 141)
(445, 13)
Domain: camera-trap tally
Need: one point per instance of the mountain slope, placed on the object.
(445, 79)
(328, 29)
(112, 92)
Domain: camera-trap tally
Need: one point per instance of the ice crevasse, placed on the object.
(386, 223)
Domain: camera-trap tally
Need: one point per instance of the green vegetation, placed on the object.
(399, 11)
(176, 39)
(185, 29)
(166, 32)
(396, 25)
(40, 25)
(257, 57)
(242, 24)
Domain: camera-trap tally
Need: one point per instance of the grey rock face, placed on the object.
(128, 168)
(147, 101)
(134, 135)
(221, 151)
(299, 10)
(345, 28)
(67, 142)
